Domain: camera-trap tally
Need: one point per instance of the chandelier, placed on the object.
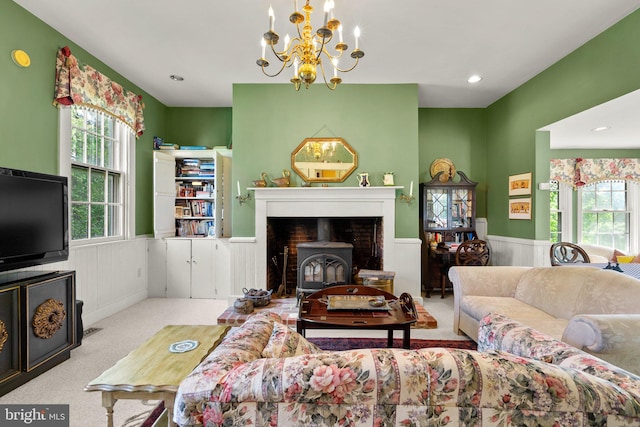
(307, 51)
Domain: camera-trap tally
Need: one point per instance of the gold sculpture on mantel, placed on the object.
(284, 181)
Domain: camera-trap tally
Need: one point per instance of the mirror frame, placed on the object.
(347, 171)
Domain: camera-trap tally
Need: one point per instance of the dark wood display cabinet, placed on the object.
(37, 324)
(448, 217)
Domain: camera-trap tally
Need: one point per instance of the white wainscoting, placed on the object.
(516, 251)
(109, 277)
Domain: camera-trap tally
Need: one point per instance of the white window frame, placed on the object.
(128, 159)
(633, 206)
(565, 208)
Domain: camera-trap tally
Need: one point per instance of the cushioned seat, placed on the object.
(480, 306)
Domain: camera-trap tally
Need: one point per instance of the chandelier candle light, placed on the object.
(305, 52)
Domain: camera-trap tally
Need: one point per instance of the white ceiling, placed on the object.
(434, 43)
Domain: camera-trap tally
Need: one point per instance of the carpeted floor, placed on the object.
(333, 344)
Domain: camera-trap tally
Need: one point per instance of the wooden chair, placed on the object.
(470, 252)
(567, 253)
(473, 252)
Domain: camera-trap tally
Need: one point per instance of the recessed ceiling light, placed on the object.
(176, 78)
(600, 129)
(474, 79)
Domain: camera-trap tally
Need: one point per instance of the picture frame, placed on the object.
(178, 212)
(520, 208)
(186, 211)
(520, 185)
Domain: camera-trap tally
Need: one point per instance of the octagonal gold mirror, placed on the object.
(324, 160)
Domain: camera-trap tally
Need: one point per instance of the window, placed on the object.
(555, 224)
(96, 154)
(604, 215)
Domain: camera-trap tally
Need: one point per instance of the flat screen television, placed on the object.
(34, 225)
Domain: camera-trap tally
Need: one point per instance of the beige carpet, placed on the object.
(124, 331)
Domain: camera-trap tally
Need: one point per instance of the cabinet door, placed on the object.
(178, 268)
(202, 267)
(164, 191)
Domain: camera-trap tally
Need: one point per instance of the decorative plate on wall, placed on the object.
(443, 165)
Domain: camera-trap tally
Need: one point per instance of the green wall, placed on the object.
(380, 122)
(210, 127)
(29, 121)
(604, 68)
(457, 134)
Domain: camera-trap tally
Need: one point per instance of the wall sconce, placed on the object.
(242, 199)
(408, 199)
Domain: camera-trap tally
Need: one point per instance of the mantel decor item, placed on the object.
(284, 181)
(324, 160)
(307, 50)
(363, 179)
(387, 178)
(445, 166)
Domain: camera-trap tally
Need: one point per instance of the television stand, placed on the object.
(37, 324)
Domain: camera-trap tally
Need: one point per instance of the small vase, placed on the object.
(363, 179)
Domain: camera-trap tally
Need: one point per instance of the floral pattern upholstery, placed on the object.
(236, 386)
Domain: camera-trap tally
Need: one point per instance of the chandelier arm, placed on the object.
(277, 55)
(346, 70)
(324, 77)
(276, 74)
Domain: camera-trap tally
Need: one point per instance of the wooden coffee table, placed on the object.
(399, 314)
(152, 372)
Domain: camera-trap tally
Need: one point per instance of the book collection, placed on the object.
(195, 203)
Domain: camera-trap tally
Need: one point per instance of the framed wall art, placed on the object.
(520, 185)
(520, 208)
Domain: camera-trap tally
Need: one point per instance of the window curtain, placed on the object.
(578, 172)
(80, 84)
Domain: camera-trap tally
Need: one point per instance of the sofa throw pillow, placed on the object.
(285, 342)
(614, 257)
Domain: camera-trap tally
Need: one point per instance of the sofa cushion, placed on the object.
(553, 290)
(480, 306)
(285, 342)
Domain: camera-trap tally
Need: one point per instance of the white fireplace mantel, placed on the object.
(325, 202)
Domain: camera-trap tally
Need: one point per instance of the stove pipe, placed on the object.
(324, 230)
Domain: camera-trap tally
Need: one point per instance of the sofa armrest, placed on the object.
(486, 281)
(603, 333)
(610, 337)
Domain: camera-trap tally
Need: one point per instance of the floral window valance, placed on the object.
(578, 172)
(81, 84)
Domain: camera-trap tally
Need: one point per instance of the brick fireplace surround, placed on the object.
(401, 255)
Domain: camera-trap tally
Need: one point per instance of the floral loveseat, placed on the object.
(265, 374)
(590, 308)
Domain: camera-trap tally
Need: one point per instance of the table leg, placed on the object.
(406, 337)
(390, 338)
(108, 402)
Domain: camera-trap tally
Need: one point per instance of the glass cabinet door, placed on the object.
(462, 208)
(436, 208)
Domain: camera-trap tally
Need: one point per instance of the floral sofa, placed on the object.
(265, 374)
(590, 308)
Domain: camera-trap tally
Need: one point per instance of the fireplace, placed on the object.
(362, 237)
(303, 205)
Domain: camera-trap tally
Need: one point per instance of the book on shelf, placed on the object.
(193, 147)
